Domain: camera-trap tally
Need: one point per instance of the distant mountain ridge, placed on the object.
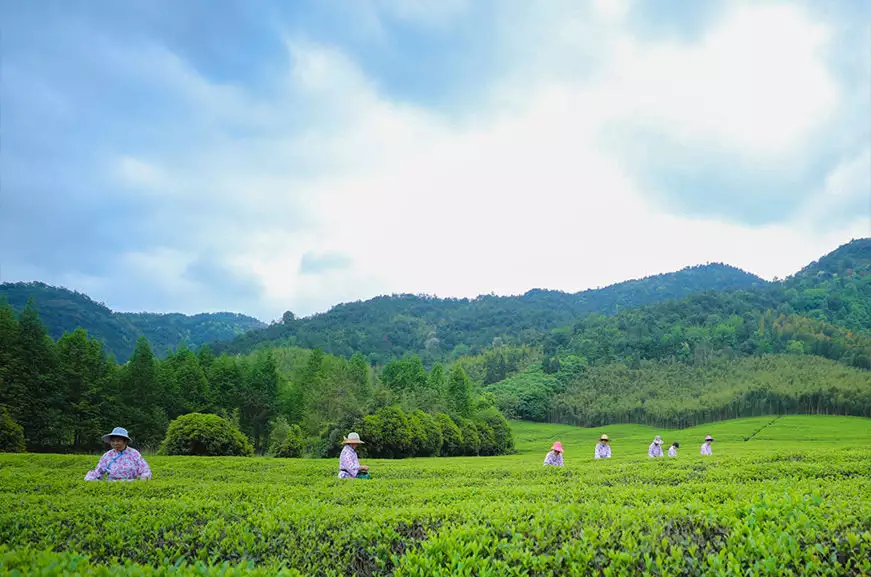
(63, 310)
(387, 327)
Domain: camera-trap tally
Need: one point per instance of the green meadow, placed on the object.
(780, 496)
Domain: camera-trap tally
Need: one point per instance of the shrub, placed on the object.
(292, 445)
(488, 440)
(452, 438)
(471, 439)
(11, 434)
(395, 438)
(204, 435)
(501, 430)
(433, 443)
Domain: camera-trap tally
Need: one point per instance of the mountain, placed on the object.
(62, 310)
(386, 327)
(696, 359)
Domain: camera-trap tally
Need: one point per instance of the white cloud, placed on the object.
(521, 196)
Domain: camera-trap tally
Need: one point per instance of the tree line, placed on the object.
(67, 393)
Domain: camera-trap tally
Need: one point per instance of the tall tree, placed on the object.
(258, 399)
(459, 392)
(85, 375)
(13, 393)
(40, 417)
(139, 398)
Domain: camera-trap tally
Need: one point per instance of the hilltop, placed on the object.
(387, 327)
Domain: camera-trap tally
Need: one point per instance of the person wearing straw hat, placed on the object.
(655, 448)
(554, 458)
(706, 446)
(672, 451)
(603, 448)
(349, 464)
(122, 463)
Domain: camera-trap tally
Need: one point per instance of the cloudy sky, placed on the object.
(265, 155)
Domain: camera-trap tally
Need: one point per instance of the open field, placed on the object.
(794, 499)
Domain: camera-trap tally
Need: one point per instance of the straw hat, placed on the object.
(117, 432)
(709, 438)
(353, 439)
(557, 447)
(604, 438)
(657, 440)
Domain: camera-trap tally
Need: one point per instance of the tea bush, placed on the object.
(772, 507)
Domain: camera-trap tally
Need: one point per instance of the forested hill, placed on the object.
(391, 326)
(62, 310)
(697, 358)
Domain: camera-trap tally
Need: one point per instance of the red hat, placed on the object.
(557, 447)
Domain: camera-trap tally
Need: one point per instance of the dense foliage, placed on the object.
(676, 394)
(66, 394)
(11, 434)
(391, 433)
(389, 327)
(201, 435)
(63, 311)
(762, 507)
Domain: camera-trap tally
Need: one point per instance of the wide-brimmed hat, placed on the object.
(557, 447)
(604, 438)
(709, 438)
(352, 438)
(657, 440)
(116, 432)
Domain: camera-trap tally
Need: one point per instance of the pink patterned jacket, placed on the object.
(126, 465)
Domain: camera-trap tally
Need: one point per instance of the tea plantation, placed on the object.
(780, 496)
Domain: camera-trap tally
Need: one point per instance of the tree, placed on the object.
(13, 393)
(459, 393)
(140, 397)
(37, 371)
(405, 375)
(258, 398)
(86, 375)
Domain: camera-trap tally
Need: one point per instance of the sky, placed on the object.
(258, 156)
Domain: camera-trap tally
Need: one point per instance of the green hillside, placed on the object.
(62, 311)
(390, 326)
(675, 394)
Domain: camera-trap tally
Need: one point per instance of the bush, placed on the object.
(291, 446)
(501, 430)
(11, 434)
(471, 439)
(452, 438)
(204, 435)
(433, 443)
(395, 439)
(488, 440)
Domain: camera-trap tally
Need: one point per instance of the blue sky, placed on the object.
(262, 155)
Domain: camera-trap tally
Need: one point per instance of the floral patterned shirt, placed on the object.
(603, 451)
(706, 449)
(554, 459)
(654, 450)
(349, 464)
(126, 465)
(672, 451)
